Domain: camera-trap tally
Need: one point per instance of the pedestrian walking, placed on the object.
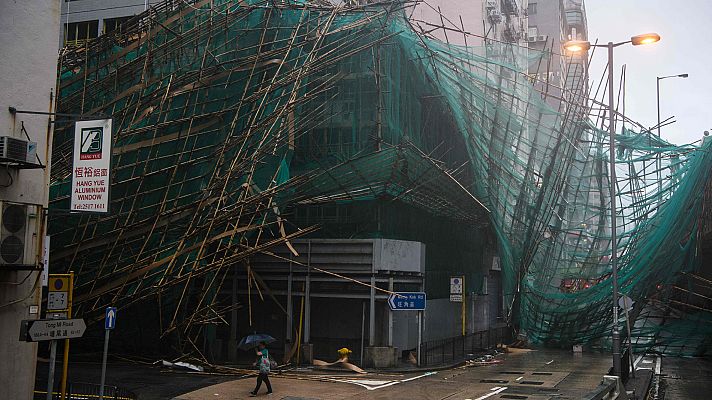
(263, 364)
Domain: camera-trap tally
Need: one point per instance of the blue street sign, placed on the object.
(404, 301)
(110, 318)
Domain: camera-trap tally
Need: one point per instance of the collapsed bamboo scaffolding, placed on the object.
(212, 99)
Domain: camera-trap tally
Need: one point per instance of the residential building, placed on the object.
(551, 24)
(83, 20)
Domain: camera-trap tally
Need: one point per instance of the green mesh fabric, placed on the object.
(227, 112)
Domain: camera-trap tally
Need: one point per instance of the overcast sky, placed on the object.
(683, 26)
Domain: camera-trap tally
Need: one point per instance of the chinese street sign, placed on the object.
(91, 166)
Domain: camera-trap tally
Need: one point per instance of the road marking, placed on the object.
(519, 379)
(419, 376)
(370, 384)
(550, 362)
(500, 390)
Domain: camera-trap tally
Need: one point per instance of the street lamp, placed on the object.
(574, 46)
(658, 162)
(657, 81)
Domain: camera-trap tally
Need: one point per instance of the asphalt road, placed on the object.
(535, 375)
(147, 382)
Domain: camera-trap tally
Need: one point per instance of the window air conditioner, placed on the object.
(18, 233)
(17, 150)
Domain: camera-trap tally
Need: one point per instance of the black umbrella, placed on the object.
(253, 340)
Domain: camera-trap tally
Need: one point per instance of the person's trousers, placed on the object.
(263, 377)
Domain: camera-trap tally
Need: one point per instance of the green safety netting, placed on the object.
(227, 113)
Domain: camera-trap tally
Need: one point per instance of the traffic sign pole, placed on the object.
(420, 334)
(65, 358)
(103, 364)
(109, 324)
(464, 302)
(50, 378)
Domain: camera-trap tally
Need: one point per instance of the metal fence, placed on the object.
(88, 391)
(455, 349)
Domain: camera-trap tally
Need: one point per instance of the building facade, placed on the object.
(28, 70)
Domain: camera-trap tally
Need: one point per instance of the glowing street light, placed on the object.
(645, 38)
(576, 46)
(579, 46)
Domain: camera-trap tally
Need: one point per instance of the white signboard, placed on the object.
(57, 300)
(457, 284)
(45, 261)
(92, 166)
(53, 329)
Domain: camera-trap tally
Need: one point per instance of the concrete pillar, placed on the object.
(307, 302)
(28, 71)
(290, 307)
(471, 323)
(372, 313)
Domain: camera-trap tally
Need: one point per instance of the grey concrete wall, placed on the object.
(405, 330)
(90, 10)
(28, 60)
(399, 255)
(443, 319)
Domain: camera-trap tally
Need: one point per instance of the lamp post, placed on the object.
(657, 82)
(658, 162)
(582, 45)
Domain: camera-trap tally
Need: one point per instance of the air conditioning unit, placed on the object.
(17, 150)
(19, 225)
(542, 38)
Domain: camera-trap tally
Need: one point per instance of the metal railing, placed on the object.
(456, 349)
(88, 391)
(610, 389)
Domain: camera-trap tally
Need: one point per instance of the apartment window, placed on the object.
(114, 24)
(531, 9)
(77, 33)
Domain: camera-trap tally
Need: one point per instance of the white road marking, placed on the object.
(519, 379)
(419, 376)
(500, 390)
(371, 384)
(550, 362)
